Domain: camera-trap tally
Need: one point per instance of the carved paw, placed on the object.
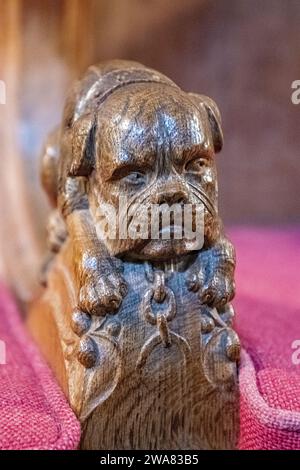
(215, 287)
(102, 291)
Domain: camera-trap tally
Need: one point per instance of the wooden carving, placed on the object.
(137, 324)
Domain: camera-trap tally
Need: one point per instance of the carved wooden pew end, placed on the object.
(138, 328)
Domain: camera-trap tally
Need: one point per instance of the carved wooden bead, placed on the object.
(233, 346)
(87, 352)
(207, 324)
(81, 322)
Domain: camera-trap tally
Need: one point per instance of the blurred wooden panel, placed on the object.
(20, 251)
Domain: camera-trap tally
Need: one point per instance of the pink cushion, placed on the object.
(268, 322)
(34, 413)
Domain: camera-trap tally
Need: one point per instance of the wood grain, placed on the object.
(140, 326)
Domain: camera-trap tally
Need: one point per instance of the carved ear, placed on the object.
(214, 118)
(83, 146)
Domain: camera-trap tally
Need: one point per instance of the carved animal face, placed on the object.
(155, 144)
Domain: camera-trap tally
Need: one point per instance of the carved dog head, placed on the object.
(138, 138)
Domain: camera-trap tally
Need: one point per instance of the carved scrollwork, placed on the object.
(90, 331)
(98, 348)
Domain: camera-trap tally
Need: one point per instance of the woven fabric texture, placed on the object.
(34, 413)
(268, 322)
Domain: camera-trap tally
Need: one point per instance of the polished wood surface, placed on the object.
(144, 323)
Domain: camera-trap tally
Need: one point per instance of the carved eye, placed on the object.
(135, 177)
(196, 166)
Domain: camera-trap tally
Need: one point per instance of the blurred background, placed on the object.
(242, 53)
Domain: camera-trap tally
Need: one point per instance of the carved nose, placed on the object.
(172, 196)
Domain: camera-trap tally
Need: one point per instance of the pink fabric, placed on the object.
(34, 413)
(268, 322)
